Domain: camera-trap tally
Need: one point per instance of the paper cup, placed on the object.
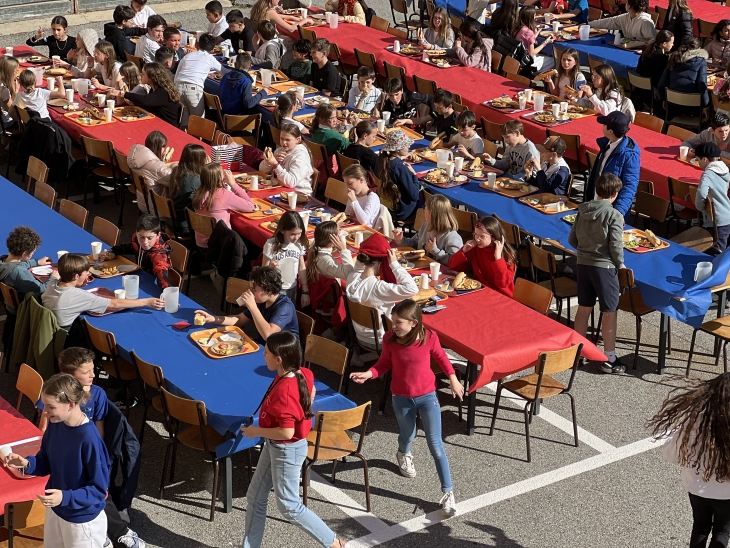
(358, 239)
(556, 26)
(108, 114)
(617, 40)
(564, 107)
(70, 95)
(95, 250)
(683, 151)
(450, 169)
(5, 450)
(305, 217)
(492, 179)
(334, 21)
(56, 59)
(101, 99)
(458, 163)
(292, 200)
(556, 109)
(528, 94)
(51, 84)
(75, 83)
(326, 217)
(60, 254)
(396, 46)
(82, 86)
(120, 294)
(381, 125)
(9, 51)
(435, 270)
(424, 58)
(386, 117)
(327, 16)
(303, 13)
(111, 103)
(424, 281)
(522, 101)
(492, 7)
(548, 18)
(254, 182)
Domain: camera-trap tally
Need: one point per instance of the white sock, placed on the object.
(611, 355)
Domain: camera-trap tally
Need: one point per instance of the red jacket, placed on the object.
(156, 261)
(498, 275)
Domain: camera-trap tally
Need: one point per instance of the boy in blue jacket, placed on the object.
(15, 267)
(236, 90)
(714, 187)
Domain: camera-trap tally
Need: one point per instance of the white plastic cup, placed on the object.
(56, 59)
(564, 107)
(70, 95)
(538, 102)
(171, 296)
(303, 13)
(265, 77)
(548, 18)
(584, 32)
(386, 117)
(522, 101)
(111, 103)
(528, 94)
(108, 114)
(424, 281)
(683, 152)
(450, 169)
(703, 270)
(396, 46)
(334, 21)
(326, 217)
(492, 179)
(131, 286)
(424, 57)
(82, 86)
(191, 41)
(305, 218)
(120, 294)
(381, 125)
(95, 250)
(300, 90)
(458, 163)
(617, 39)
(292, 200)
(60, 254)
(9, 51)
(556, 26)
(254, 182)
(224, 51)
(435, 271)
(358, 238)
(75, 83)
(556, 110)
(51, 84)
(101, 99)
(38, 76)
(5, 450)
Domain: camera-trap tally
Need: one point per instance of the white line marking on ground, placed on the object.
(354, 510)
(508, 492)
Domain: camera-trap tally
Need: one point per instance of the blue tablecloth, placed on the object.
(622, 61)
(231, 388)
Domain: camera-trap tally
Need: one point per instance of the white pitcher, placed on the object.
(703, 270)
(442, 157)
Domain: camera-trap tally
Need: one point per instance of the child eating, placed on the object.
(518, 151)
(467, 142)
(15, 267)
(301, 68)
(553, 176)
(290, 244)
(107, 67)
(365, 96)
(34, 98)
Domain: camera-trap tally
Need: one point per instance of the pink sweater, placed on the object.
(412, 375)
(223, 202)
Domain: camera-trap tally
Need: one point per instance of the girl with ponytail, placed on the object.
(286, 105)
(362, 137)
(285, 420)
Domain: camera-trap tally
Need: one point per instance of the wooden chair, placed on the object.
(24, 522)
(326, 353)
(692, 100)
(492, 130)
(345, 85)
(329, 440)
(590, 160)
(164, 208)
(124, 178)
(306, 328)
(496, 62)
(336, 57)
(275, 134)
(648, 121)
(540, 385)
(510, 65)
(174, 278)
(149, 376)
(368, 317)
(199, 436)
(202, 224)
(378, 23)
(30, 385)
(456, 22)
(307, 34)
(513, 234)
(213, 103)
(11, 299)
(395, 71)
(696, 237)
(365, 59)
(73, 212)
(45, 194)
(134, 59)
(335, 190)
(522, 80)
(563, 288)
(200, 128)
(533, 296)
(705, 28)
(467, 221)
(719, 329)
(139, 186)
(593, 62)
(680, 194)
(399, 34)
(343, 162)
(401, 7)
(651, 208)
(641, 82)
(117, 367)
(319, 153)
(180, 258)
(14, 135)
(99, 163)
(239, 127)
(645, 186)
(680, 133)
(662, 13)
(654, 17)
(423, 85)
(235, 287)
(36, 171)
(573, 144)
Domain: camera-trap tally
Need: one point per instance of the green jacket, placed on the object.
(38, 338)
(597, 234)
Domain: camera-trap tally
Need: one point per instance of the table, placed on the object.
(231, 387)
(15, 427)
(622, 61)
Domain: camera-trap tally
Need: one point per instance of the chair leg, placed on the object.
(560, 308)
(461, 401)
(669, 336)
(724, 356)
(334, 470)
(575, 420)
(691, 351)
(496, 406)
(527, 431)
(164, 468)
(367, 479)
(305, 482)
(567, 318)
(172, 463)
(639, 325)
(214, 495)
(144, 423)
(384, 396)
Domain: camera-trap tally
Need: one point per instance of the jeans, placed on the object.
(280, 465)
(191, 96)
(710, 516)
(427, 406)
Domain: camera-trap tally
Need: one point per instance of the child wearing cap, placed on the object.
(714, 184)
(400, 184)
(553, 175)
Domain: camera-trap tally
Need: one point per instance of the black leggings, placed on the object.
(115, 527)
(710, 516)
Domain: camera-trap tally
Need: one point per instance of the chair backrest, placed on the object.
(326, 353)
(395, 71)
(654, 207)
(681, 192)
(344, 86)
(423, 85)
(662, 15)
(684, 99)
(542, 259)
(511, 231)
(163, 206)
(183, 409)
(121, 162)
(45, 194)
(364, 315)
(398, 33)
(559, 360)
(319, 152)
(645, 186)
(594, 14)
(134, 59)
(343, 162)
(492, 130)
(202, 224)
(235, 287)
(339, 421)
(179, 256)
(105, 230)
(496, 62)
(249, 123)
(705, 28)
(97, 149)
(466, 220)
(365, 59)
(522, 80)
(639, 82)
(533, 295)
(680, 133)
(213, 102)
(174, 278)
(275, 134)
(336, 190)
(590, 160)
(23, 114)
(654, 17)
(36, 171)
(307, 34)
(491, 148)
(150, 374)
(24, 515)
(29, 384)
(10, 295)
(642, 119)
(141, 187)
(572, 143)
(510, 65)
(593, 62)
(73, 212)
(420, 217)
(400, 6)
(306, 325)
(459, 108)
(200, 128)
(103, 341)
(379, 23)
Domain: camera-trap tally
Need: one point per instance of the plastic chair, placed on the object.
(37, 171)
(73, 212)
(24, 523)
(648, 121)
(540, 385)
(30, 385)
(533, 296)
(200, 128)
(152, 376)
(563, 288)
(45, 194)
(335, 190)
(240, 124)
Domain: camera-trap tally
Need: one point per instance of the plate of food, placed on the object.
(436, 176)
(463, 283)
(570, 218)
(42, 270)
(412, 254)
(642, 241)
(426, 154)
(38, 59)
(271, 102)
(546, 118)
(301, 198)
(503, 103)
(132, 114)
(223, 342)
(317, 100)
(441, 63)
(425, 295)
(59, 71)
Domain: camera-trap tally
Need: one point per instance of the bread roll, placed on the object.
(460, 277)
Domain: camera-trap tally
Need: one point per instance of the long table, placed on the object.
(231, 388)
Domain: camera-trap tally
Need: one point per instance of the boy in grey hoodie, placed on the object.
(270, 48)
(714, 186)
(518, 151)
(15, 267)
(597, 234)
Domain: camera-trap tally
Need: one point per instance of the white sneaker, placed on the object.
(448, 504)
(131, 540)
(405, 464)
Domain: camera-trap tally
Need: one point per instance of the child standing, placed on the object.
(569, 76)
(467, 142)
(518, 151)
(597, 234)
(34, 98)
(74, 456)
(365, 96)
(714, 186)
(191, 73)
(301, 68)
(105, 73)
(553, 175)
(489, 255)
(408, 351)
(401, 185)
(363, 203)
(15, 267)
(289, 244)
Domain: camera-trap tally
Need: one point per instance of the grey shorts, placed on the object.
(601, 283)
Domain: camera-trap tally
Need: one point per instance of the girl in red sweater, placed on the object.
(489, 256)
(408, 351)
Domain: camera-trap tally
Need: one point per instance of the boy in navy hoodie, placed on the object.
(236, 89)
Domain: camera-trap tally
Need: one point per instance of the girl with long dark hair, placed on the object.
(362, 137)
(185, 180)
(286, 105)
(473, 48)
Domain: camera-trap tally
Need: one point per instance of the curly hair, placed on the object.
(267, 278)
(22, 239)
(700, 412)
(160, 79)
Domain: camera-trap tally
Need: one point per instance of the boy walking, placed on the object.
(598, 236)
(714, 186)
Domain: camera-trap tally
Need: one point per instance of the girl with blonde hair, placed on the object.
(438, 235)
(107, 67)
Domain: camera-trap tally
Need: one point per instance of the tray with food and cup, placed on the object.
(505, 103)
(314, 102)
(549, 204)
(42, 273)
(111, 268)
(546, 118)
(459, 285)
(283, 87)
(304, 201)
(476, 170)
(412, 133)
(408, 50)
(269, 102)
(425, 154)
(352, 231)
(36, 60)
(58, 71)
(440, 178)
(271, 226)
(687, 156)
(413, 259)
(276, 75)
(430, 295)
(223, 342)
(262, 210)
(576, 112)
(105, 293)
(132, 114)
(642, 241)
(89, 117)
(441, 62)
(509, 187)
(265, 182)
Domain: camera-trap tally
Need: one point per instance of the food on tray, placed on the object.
(504, 102)
(443, 63)
(462, 282)
(301, 198)
(127, 113)
(199, 319)
(340, 218)
(273, 225)
(56, 72)
(345, 114)
(436, 52)
(409, 49)
(71, 107)
(509, 184)
(243, 179)
(226, 348)
(576, 109)
(437, 175)
(413, 255)
(427, 154)
(545, 75)
(424, 294)
(530, 201)
(109, 271)
(92, 112)
(545, 118)
(570, 218)
(37, 59)
(268, 102)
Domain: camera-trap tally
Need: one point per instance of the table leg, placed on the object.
(662, 358)
(471, 376)
(721, 304)
(227, 484)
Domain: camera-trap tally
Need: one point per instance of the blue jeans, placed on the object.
(427, 406)
(279, 466)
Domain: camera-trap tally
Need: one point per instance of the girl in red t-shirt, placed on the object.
(408, 351)
(284, 422)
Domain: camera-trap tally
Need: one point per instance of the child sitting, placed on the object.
(82, 57)
(286, 105)
(149, 248)
(166, 57)
(34, 98)
(714, 186)
(404, 104)
(467, 142)
(605, 95)
(150, 161)
(569, 78)
(117, 31)
(363, 203)
(365, 96)
(151, 41)
(400, 184)
(597, 234)
(289, 244)
(236, 89)
(443, 117)
(325, 133)
(172, 39)
(325, 76)
(553, 176)
(237, 33)
(439, 34)
(58, 43)
(291, 162)
(718, 133)
(185, 180)
(518, 151)
(270, 48)
(107, 67)
(22, 242)
(438, 235)
(362, 137)
(131, 78)
(217, 24)
(489, 255)
(301, 68)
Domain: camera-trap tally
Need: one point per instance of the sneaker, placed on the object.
(122, 404)
(405, 464)
(613, 367)
(131, 540)
(448, 504)
(108, 543)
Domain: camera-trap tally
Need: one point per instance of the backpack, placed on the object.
(369, 15)
(508, 46)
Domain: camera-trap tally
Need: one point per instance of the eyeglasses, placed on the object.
(480, 237)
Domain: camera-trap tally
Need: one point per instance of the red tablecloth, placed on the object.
(250, 229)
(476, 86)
(498, 338)
(701, 9)
(15, 427)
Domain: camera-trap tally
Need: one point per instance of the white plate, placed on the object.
(42, 270)
(230, 337)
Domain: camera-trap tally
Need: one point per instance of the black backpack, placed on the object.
(506, 45)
